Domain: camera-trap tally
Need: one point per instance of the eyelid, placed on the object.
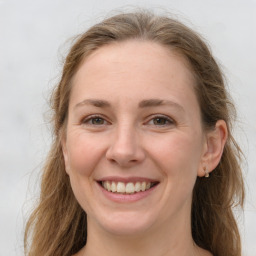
(170, 120)
(85, 120)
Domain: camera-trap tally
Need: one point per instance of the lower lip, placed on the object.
(126, 198)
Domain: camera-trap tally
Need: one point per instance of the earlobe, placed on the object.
(215, 142)
(65, 154)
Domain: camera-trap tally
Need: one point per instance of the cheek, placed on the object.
(178, 155)
(84, 152)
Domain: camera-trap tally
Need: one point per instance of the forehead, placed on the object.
(134, 69)
(136, 53)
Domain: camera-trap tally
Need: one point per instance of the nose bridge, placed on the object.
(126, 139)
(125, 147)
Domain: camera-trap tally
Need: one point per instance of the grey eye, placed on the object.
(160, 121)
(97, 121)
(94, 120)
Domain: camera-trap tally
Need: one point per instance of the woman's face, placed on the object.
(134, 142)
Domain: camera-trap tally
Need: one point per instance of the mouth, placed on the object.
(119, 187)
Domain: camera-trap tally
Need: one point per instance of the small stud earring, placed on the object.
(206, 173)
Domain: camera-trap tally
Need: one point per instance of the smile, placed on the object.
(128, 187)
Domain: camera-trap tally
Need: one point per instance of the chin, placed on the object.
(126, 223)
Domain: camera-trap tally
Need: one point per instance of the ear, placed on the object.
(65, 153)
(213, 148)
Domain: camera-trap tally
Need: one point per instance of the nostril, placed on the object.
(112, 160)
(123, 161)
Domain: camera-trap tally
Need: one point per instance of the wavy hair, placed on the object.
(57, 226)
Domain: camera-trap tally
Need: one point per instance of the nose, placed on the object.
(125, 148)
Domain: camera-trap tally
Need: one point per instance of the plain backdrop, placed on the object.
(33, 41)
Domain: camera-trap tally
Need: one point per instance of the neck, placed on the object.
(172, 239)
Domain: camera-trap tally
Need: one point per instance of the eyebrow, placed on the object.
(143, 104)
(159, 102)
(94, 102)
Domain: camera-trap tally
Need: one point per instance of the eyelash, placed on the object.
(167, 120)
(88, 120)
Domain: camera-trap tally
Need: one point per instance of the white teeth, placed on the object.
(129, 188)
(120, 188)
(143, 186)
(108, 186)
(137, 186)
(113, 187)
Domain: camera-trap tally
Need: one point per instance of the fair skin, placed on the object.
(134, 118)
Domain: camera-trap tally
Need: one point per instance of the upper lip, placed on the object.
(126, 179)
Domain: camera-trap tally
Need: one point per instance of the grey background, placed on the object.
(33, 41)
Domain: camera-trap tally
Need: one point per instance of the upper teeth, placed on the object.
(130, 187)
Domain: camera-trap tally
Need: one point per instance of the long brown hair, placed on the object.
(58, 225)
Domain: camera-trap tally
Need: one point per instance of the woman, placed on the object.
(143, 161)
